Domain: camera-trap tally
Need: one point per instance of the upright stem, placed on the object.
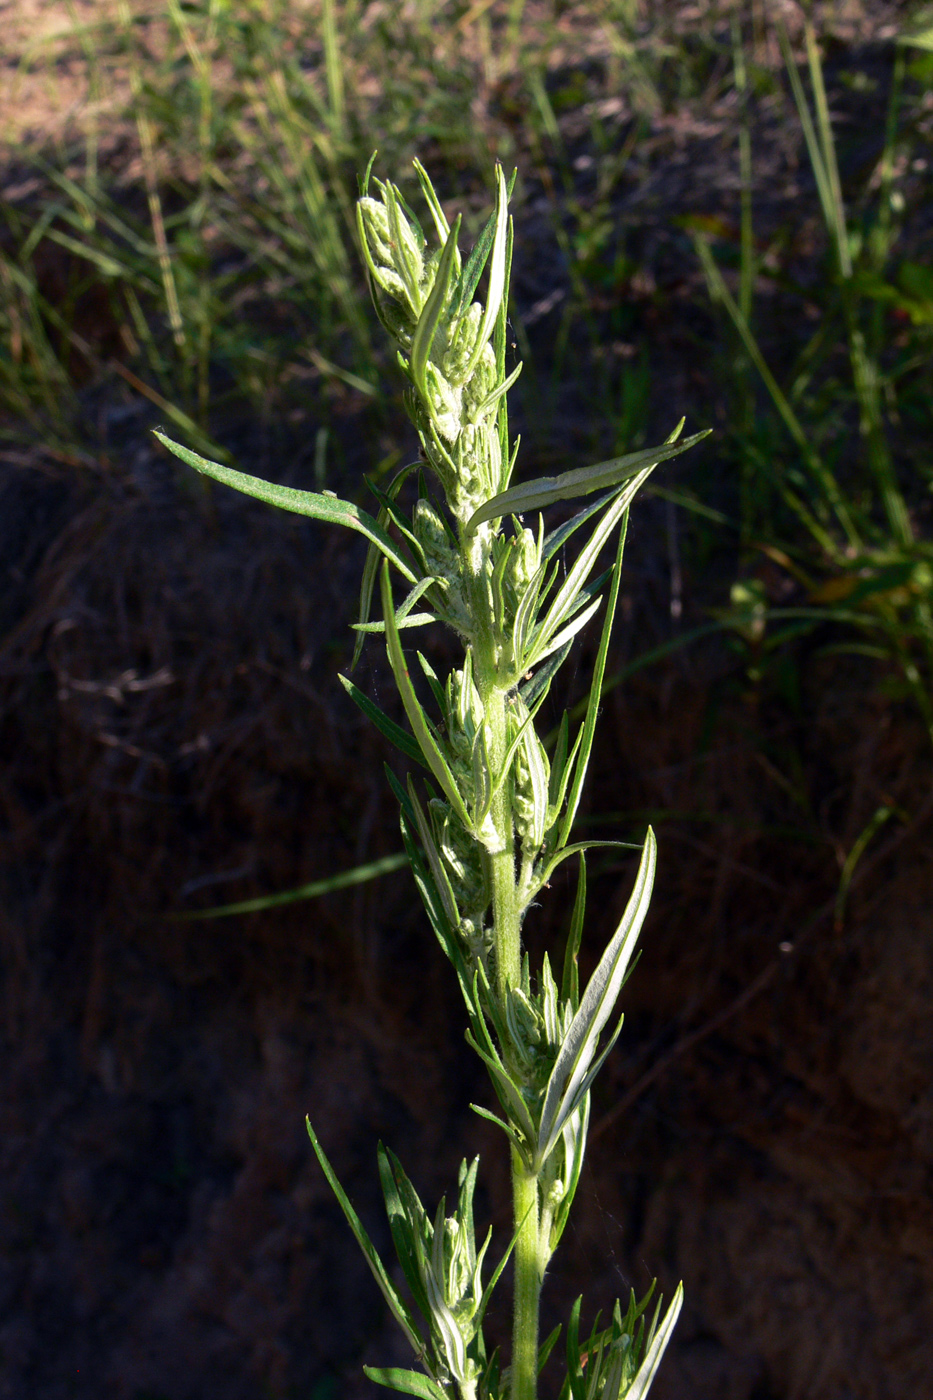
(507, 946)
(527, 1283)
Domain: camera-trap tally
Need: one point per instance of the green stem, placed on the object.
(507, 945)
(527, 1283)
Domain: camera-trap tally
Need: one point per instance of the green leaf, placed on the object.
(540, 683)
(430, 317)
(405, 1234)
(547, 1346)
(476, 262)
(596, 684)
(545, 490)
(441, 879)
(404, 617)
(646, 1371)
(328, 509)
(566, 634)
(563, 604)
(549, 864)
(570, 982)
(559, 537)
(371, 565)
(497, 393)
(434, 909)
(416, 718)
(434, 204)
(508, 1093)
(410, 276)
(487, 1291)
(563, 764)
(392, 731)
(575, 1135)
(397, 1307)
(497, 268)
(578, 1049)
(507, 1128)
(408, 1382)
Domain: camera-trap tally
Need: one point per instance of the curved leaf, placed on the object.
(545, 490)
(328, 509)
(578, 1049)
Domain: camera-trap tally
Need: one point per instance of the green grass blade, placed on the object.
(344, 880)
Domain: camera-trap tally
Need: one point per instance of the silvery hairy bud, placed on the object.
(530, 777)
(523, 562)
(462, 860)
(430, 532)
(461, 344)
(395, 251)
(480, 384)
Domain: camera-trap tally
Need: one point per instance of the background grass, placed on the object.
(713, 217)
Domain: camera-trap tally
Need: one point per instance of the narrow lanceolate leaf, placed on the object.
(563, 603)
(404, 617)
(478, 258)
(328, 509)
(428, 321)
(397, 1307)
(537, 688)
(545, 490)
(403, 1233)
(496, 286)
(652, 1359)
(434, 204)
(576, 1054)
(392, 731)
(570, 982)
(595, 695)
(408, 1382)
(441, 880)
(508, 1093)
(542, 650)
(370, 568)
(416, 717)
(575, 1134)
(547, 865)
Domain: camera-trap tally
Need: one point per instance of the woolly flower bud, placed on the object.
(460, 347)
(430, 533)
(530, 777)
(523, 563)
(396, 254)
(481, 383)
(446, 404)
(462, 859)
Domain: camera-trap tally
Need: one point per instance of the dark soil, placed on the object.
(173, 735)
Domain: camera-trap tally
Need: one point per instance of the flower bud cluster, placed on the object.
(531, 772)
(451, 396)
(537, 1023)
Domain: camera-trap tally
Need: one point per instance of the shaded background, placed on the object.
(177, 250)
